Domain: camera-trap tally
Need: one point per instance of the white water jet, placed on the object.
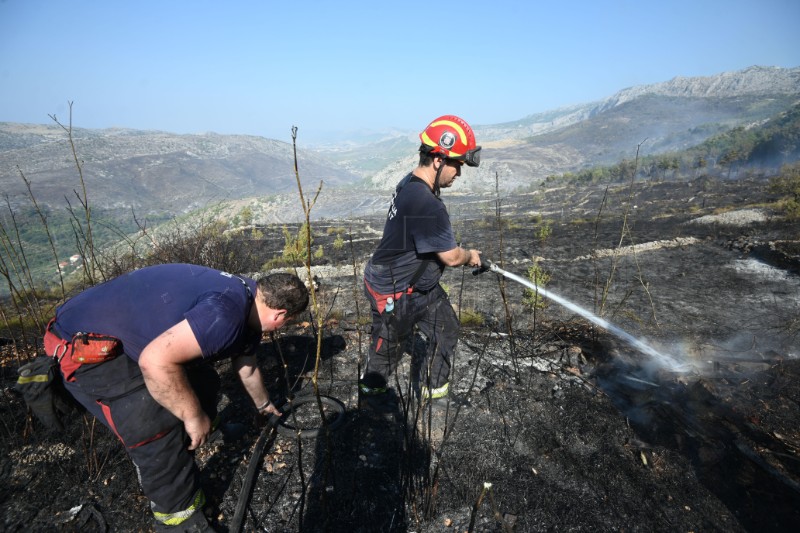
(666, 361)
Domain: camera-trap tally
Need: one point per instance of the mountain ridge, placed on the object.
(753, 80)
(150, 170)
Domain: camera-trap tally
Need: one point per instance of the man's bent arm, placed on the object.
(250, 375)
(162, 363)
(459, 256)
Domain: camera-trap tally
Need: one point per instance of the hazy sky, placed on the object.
(260, 67)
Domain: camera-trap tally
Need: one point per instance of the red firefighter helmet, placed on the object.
(453, 138)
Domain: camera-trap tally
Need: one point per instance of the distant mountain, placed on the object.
(661, 117)
(158, 172)
(154, 171)
(752, 81)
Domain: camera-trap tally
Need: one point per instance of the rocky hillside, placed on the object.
(662, 117)
(154, 171)
(753, 81)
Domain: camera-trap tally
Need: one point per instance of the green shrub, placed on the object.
(544, 231)
(530, 297)
(471, 318)
(338, 243)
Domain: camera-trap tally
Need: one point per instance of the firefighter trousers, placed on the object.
(432, 313)
(155, 439)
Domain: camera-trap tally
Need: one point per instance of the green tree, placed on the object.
(667, 163)
(698, 164)
(729, 159)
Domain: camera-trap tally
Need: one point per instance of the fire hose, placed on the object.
(281, 425)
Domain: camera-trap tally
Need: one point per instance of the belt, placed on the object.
(54, 344)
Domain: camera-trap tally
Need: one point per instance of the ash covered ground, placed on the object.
(554, 423)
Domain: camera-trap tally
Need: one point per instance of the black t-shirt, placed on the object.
(417, 227)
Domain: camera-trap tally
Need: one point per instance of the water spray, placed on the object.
(665, 360)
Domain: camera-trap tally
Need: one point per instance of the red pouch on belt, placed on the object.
(90, 348)
(380, 299)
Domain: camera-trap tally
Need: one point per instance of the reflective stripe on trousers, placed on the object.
(178, 517)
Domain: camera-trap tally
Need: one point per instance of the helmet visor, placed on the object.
(473, 157)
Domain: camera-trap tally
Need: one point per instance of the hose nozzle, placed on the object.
(486, 266)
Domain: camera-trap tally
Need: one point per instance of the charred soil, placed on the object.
(552, 424)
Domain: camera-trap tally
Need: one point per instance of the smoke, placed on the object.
(762, 329)
(747, 352)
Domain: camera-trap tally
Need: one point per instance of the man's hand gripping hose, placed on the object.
(486, 266)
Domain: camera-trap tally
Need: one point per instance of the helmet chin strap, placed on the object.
(436, 188)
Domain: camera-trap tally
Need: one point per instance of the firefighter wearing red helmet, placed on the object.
(401, 280)
(450, 136)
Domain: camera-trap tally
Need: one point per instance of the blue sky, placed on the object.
(260, 67)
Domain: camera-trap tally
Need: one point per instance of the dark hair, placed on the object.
(426, 156)
(284, 291)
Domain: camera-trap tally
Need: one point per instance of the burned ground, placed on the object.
(574, 429)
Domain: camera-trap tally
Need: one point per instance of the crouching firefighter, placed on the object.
(135, 351)
(402, 277)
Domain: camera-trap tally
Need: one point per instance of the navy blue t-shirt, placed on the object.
(139, 306)
(417, 227)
